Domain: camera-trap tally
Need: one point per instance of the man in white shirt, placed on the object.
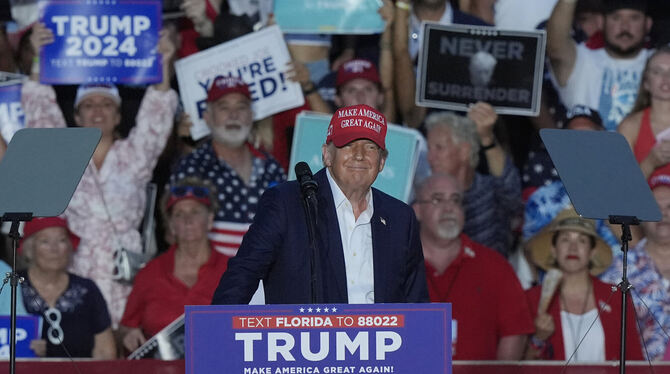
(605, 78)
(368, 242)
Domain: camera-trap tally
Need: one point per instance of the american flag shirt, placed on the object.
(237, 200)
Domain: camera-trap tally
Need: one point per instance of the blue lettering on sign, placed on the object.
(11, 112)
(262, 76)
(102, 43)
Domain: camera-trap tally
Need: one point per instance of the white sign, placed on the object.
(259, 58)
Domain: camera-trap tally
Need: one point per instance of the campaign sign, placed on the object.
(11, 113)
(329, 16)
(110, 41)
(258, 58)
(460, 65)
(27, 329)
(328, 338)
(402, 143)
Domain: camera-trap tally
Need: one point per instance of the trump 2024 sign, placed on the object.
(328, 338)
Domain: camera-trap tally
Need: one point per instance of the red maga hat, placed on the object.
(357, 68)
(38, 224)
(225, 85)
(357, 122)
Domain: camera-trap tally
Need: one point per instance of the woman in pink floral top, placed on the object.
(108, 204)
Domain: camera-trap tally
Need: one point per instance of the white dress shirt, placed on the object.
(356, 237)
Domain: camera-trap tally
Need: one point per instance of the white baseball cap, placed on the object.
(105, 89)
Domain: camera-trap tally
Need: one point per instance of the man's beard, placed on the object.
(449, 230)
(629, 52)
(234, 138)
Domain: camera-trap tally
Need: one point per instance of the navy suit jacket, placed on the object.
(276, 249)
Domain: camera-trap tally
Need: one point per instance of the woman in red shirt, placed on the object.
(579, 319)
(186, 274)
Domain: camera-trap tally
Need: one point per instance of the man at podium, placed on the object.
(369, 245)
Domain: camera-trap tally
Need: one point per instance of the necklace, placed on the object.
(574, 334)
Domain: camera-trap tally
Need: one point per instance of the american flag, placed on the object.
(227, 236)
(237, 200)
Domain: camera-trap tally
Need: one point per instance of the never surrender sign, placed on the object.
(111, 41)
(330, 338)
(461, 65)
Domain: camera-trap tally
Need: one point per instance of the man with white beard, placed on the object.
(239, 171)
(490, 314)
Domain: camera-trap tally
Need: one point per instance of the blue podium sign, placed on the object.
(11, 113)
(329, 17)
(27, 329)
(329, 338)
(110, 41)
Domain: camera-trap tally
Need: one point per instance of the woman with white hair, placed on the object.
(76, 322)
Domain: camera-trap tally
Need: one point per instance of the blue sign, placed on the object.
(11, 113)
(102, 41)
(402, 143)
(329, 338)
(329, 16)
(27, 329)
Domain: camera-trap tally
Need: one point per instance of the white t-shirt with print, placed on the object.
(604, 83)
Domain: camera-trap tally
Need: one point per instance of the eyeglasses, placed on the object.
(197, 191)
(438, 200)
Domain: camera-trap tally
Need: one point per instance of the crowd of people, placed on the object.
(490, 227)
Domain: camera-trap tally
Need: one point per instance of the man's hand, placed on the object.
(387, 12)
(196, 11)
(297, 72)
(133, 339)
(485, 117)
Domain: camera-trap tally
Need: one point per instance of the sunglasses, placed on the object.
(197, 191)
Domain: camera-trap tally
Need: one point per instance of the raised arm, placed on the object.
(561, 49)
(387, 12)
(485, 117)
(39, 101)
(167, 49)
(298, 72)
(405, 82)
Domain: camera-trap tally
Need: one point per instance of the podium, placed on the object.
(318, 338)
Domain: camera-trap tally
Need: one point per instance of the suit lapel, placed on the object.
(332, 254)
(381, 242)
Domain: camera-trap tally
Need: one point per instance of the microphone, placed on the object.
(303, 174)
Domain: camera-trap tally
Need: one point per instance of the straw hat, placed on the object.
(540, 245)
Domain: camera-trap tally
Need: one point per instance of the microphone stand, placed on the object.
(14, 280)
(624, 286)
(311, 212)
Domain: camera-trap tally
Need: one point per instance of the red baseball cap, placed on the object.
(225, 85)
(41, 223)
(357, 122)
(357, 68)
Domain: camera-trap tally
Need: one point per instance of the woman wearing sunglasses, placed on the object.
(187, 274)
